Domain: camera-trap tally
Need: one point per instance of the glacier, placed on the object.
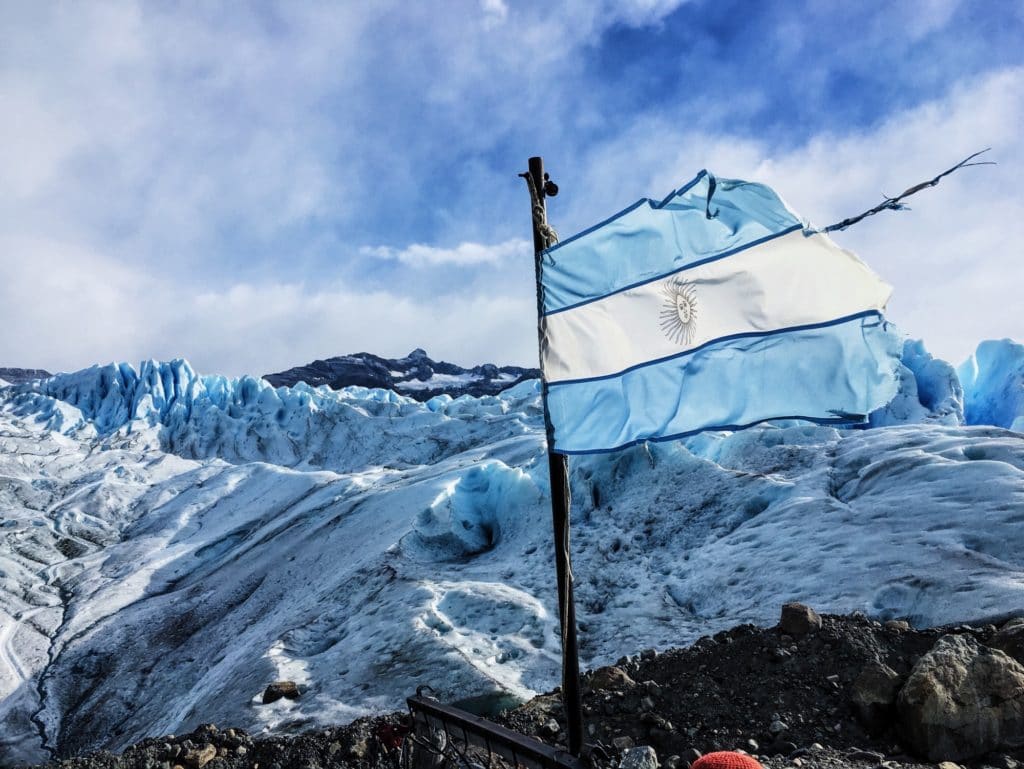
(993, 381)
(170, 543)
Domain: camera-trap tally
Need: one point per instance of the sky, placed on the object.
(252, 186)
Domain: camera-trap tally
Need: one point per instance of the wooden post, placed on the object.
(558, 468)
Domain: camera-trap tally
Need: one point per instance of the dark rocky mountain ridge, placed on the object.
(19, 375)
(416, 375)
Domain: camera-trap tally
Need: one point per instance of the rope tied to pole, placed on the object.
(547, 232)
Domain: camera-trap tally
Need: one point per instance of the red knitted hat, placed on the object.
(726, 759)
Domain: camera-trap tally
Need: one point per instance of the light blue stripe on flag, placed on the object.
(650, 239)
(836, 372)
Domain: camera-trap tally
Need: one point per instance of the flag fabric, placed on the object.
(713, 309)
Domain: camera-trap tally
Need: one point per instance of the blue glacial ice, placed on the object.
(993, 382)
(194, 537)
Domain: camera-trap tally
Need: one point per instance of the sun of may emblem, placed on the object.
(679, 310)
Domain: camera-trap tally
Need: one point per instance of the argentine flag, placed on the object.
(714, 309)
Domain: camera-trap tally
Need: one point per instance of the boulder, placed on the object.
(641, 757)
(799, 620)
(607, 678)
(280, 690)
(962, 700)
(874, 695)
(897, 625)
(200, 757)
(1010, 639)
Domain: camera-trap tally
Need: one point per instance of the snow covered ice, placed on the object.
(171, 543)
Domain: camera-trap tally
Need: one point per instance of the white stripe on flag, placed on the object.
(790, 281)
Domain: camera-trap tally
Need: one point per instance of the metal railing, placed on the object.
(442, 735)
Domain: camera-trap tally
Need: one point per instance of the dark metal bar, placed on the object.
(558, 467)
(487, 735)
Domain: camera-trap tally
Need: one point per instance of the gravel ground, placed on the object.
(785, 699)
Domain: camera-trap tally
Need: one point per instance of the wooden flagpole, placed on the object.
(558, 468)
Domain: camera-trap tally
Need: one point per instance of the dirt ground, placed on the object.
(785, 699)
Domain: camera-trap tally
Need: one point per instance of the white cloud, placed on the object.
(68, 308)
(495, 11)
(164, 162)
(464, 254)
(954, 259)
(136, 135)
(639, 13)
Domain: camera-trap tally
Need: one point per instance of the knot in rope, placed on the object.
(547, 232)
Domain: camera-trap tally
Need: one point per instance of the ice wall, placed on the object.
(993, 382)
(929, 391)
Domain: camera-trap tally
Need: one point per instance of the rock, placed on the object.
(359, 749)
(799, 620)
(607, 678)
(649, 654)
(1010, 639)
(962, 700)
(866, 755)
(647, 703)
(551, 726)
(642, 757)
(199, 757)
(690, 755)
(280, 689)
(777, 727)
(752, 745)
(624, 742)
(672, 762)
(783, 748)
(874, 695)
(241, 750)
(653, 719)
(948, 765)
(897, 625)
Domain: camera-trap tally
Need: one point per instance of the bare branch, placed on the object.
(895, 203)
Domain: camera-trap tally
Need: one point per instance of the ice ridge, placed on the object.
(247, 419)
